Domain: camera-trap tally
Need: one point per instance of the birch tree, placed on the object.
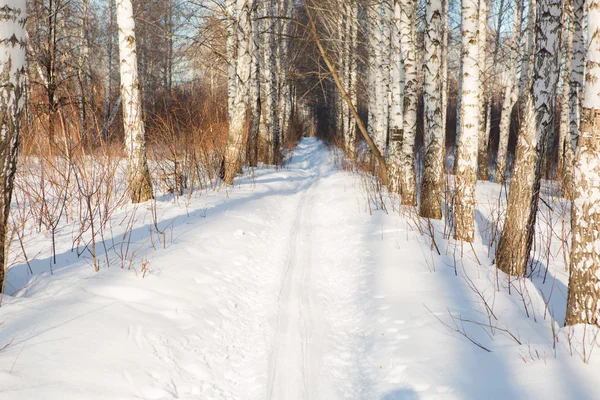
(564, 142)
(575, 93)
(397, 102)
(140, 184)
(482, 57)
(409, 124)
(351, 73)
(466, 171)
(517, 236)
(511, 93)
(12, 99)
(431, 191)
(254, 106)
(583, 303)
(270, 127)
(378, 76)
(240, 47)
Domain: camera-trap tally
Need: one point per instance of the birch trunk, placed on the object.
(397, 101)
(564, 142)
(109, 64)
(517, 236)
(444, 66)
(575, 94)
(254, 109)
(528, 50)
(431, 191)
(140, 184)
(408, 183)
(350, 124)
(239, 118)
(466, 171)
(270, 127)
(284, 108)
(378, 98)
(12, 99)
(583, 303)
(510, 95)
(492, 81)
(483, 138)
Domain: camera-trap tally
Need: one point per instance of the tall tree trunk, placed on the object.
(140, 184)
(12, 99)
(576, 94)
(270, 127)
(431, 191)
(408, 183)
(466, 171)
(583, 303)
(483, 138)
(397, 102)
(564, 140)
(492, 81)
(84, 70)
(444, 77)
(351, 14)
(379, 71)
(510, 94)
(284, 109)
(109, 73)
(239, 115)
(254, 109)
(519, 227)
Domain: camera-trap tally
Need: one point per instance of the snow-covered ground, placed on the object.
(287, 288)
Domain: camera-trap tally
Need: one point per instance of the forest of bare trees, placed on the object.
(430, 97)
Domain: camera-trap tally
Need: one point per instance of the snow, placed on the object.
(287, 287)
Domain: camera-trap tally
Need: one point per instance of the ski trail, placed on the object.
(292, 373)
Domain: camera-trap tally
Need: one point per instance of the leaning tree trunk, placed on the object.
(583, 303)
(466, 164)
(408, 184)
(397, 101)
(12, 99)
(431, 190)
(140, 184)
(519, 227)
(511, 94)
(482, 57)
(575, 94)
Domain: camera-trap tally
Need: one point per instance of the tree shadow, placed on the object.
(401, 394)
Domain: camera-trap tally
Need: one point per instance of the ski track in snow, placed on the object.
(285, 288)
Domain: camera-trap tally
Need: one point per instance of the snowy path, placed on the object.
(284, 288)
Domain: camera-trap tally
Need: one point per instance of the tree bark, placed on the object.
(239, 119)
(140, 184)
(519, 227)
(397, 101)
(482, 56)
(12, 99)
(466, 171)
(408, 184)
(431, 188)
(575, 95)
(583, 303)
